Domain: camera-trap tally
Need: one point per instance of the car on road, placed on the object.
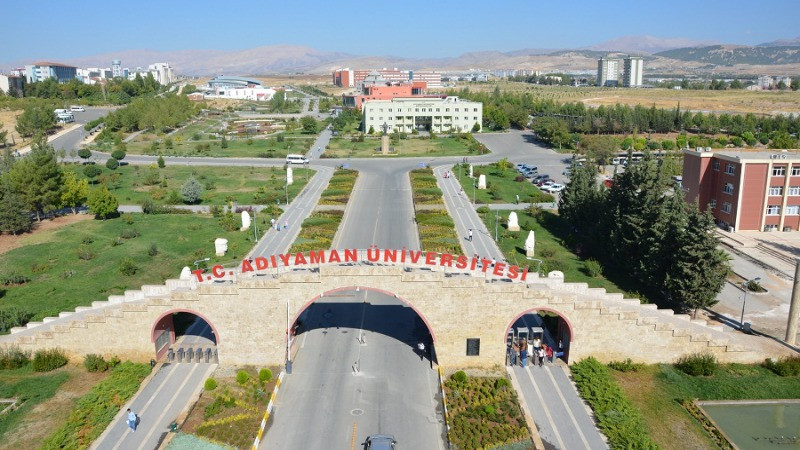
(77, 108)
(380, 442)
(553, 188)
(539, 178)
(296, 159)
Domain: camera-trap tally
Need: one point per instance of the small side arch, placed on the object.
(570, 331)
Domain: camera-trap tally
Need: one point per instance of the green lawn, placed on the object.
(239, 147)
(550, 248)
(60, 280)
(415, 147)
(503, 185)
(220, 184)
(30, 387)
(658, 391)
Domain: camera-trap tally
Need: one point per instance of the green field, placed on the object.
(503, 185)
(244, 185)
(413, 147)
(31, 388)
(80, 263)
(239, 147)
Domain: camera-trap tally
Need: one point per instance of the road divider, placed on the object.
(270, 406)
(444, 405)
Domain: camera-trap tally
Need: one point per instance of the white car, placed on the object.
(553, 188)
(77, 108)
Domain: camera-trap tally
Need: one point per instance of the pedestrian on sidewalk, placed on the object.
(550, 354)
(514, 350)
(285, 224)
(132, 418)
(272, 222)
(541, 356)
(469, 235)
(277, 226)
(421, 349)
(518, 199)
(523, 352)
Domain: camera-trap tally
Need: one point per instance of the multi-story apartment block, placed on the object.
(633, 66)
(608, 72)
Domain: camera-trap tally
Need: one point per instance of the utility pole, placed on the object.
(496, 220)
(794, 308)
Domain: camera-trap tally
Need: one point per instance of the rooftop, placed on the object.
(748, 153)
(52, 64)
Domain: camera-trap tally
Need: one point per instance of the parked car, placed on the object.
(553, 188)
(544, 182)
(567, 172)
(538, 178)
(380, 442)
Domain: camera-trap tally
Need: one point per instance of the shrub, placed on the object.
(489, 410)
(754, 286)
(112, 163)
(129, 233)
(153, 249)
(13, 279)
(482, 210)
(592, 268)
(87, 240)
(501, 383)
(95, 363)
(210, 384)
(697, 364)
(625, 366)
(50, 359)
(459, 377)
(788, 366)
(264, 375)
(128, 267)
(13, 358)
(242, 377)
(13, 317)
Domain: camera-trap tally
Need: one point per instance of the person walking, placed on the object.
(132, 420)
(421, 349)
(523, 352)
(549, 354)
(514, 351)
(272, 222)
(537, 343)
(469, 235)
(541, 356)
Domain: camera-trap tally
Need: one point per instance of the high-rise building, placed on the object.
(633, 66)
(116, 68)
(607, 72)
(162, 72)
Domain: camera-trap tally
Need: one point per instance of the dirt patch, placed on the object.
(8, 119)
(49, 415)
(38, 235)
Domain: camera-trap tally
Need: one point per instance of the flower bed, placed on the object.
(339, 187)
(317, 231)
(437, 232)
(484, 413)
(424, 189)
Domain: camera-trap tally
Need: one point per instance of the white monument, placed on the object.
(289, 177)
(470, 171)
(530, 243)
(245, 221)
(556, 274)
(186, 273)
(220, 246)
(482, 182)
(513, 223)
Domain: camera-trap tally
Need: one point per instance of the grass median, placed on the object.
(319, 229)
(437, 232)
(503, 184)
(457, 145)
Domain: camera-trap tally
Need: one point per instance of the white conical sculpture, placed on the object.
(186, 273)
(482, 181)
(220, 246)
(470, 171)
(245, 220)
(530, 243)
(513, 223)
(289, 177)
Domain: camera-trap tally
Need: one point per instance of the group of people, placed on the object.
(536, 350)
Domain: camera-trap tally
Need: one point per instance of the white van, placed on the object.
(296, 159)
(65, 117)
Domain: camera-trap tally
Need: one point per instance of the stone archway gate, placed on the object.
(249, 315)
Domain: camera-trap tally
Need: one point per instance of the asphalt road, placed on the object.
(70, 140)
(341, 391)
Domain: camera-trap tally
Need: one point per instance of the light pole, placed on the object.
(473, 193)
(197, 263)
(744, 299)
(286, 186)
(496, 220)
(255, 225)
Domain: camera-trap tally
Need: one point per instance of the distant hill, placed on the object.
(729, 55)
(782, 43)
(647, 44)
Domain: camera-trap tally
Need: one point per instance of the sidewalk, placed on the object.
(64, 131)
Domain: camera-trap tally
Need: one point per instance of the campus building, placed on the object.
(608, 72)
(745, 190)
(633, 66)
(440, 115)
(162, 72)
(355, 77)
(41, 71)
(383, 92)
(238, 88)
(116, 68)
(11, 85)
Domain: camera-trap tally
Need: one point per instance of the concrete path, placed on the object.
(561, 417)
(158, 404)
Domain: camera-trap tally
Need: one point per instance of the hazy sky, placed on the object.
(411, 28)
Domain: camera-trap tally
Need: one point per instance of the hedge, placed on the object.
(619, 420)
(95, 410)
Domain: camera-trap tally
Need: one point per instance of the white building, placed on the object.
(633, 67)
(765, 82)
(608, 72)
(257, 93)
(440, 115)
(162, 73)
(116, 68)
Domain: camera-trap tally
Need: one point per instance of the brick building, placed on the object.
(746, 190)
(353, 77)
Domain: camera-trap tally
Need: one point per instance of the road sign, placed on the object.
(346, 166)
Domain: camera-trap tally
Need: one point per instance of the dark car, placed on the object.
(543, 181)
(541, 177)
(380, 442)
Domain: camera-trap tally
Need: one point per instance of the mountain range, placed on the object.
(663, 55)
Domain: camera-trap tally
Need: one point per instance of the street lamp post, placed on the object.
(255, 224)
(496, 220)
(197, 263)
(286, 186)
(473, 193)
(744, 299)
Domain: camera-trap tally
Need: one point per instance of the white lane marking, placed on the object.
(566, 406)
(545, 409)
(154, 424)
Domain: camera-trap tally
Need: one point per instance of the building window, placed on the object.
(728, 189)
(770, 227)
(473, 347)
(730, 169)
(776, 190)
(456, 109)
(474, 109)
(437, 109)
(726, 207)
(792, 210)
(773, 210)
(390, 109)
(795, 171)
(779, 171)
(794, 190)
(715, 165)
(713, 203)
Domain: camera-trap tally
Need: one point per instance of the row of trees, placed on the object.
(116, 91)
(157, 113)
(642, 228)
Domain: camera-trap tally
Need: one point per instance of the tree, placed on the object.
(118, 154)
(38, 179)
(38, 117)
(782, 139)
(102, 203)
(600, 148)
(581, 204)
(75, 191)
(112, 163)
(161, 163)
(14, 216)
(85, 154)
(309, 125)
(223, 143)
(698, 268)
(92, 171)
(476, 128)
(191, 191)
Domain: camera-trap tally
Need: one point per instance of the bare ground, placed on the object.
(49, 415)
(10, 242)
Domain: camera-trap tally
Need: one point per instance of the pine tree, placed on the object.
(698, 268)
(38, 178)
(581, 204)
(14, 216)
